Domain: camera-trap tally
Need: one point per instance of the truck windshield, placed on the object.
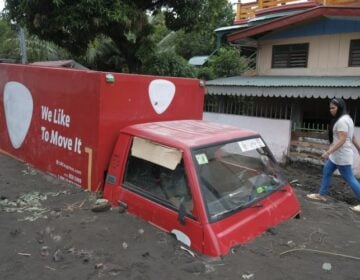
(235, 175)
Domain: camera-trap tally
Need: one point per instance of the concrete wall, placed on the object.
(275, 132)
(328, 56)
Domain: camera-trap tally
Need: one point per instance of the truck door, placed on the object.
(155, 187)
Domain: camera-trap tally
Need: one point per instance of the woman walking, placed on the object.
(340, 153)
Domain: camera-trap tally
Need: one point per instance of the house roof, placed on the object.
(304, 16)
(198, 60)
(287, 86)
(288, 81)
(60, 63)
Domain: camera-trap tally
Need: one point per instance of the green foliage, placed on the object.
(159, 25)
(37, 50)
(75, 24)
(195, 15)
(194, 43)
(182, 13)
(102, 54)
(214, 14)
(167, 43)
(227, 62)
(205, 73)
(200, 40)
(121, 36)
(9, 44)
(129, 36)
(167, 64)
(40, 50)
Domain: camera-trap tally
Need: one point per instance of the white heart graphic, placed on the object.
(161, 93)
(18, 105)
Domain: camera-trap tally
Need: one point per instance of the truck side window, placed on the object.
(159, 183)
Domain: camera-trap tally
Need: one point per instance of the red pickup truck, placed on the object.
(141, 141)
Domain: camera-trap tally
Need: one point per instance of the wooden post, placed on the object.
(238, 11)
(260, 4)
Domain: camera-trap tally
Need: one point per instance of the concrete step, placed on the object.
(313, 140)
(318, 145)
(307, 150)
(305, 158)
(310, 134)
(316, 148)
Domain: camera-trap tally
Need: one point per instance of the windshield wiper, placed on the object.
(220, 213)
(234, 193)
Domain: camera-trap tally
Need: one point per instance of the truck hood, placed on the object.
(250, 222)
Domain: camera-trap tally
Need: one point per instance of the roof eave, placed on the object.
(293, 19)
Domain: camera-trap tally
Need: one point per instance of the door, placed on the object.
(156, 188)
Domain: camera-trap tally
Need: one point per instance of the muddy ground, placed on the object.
(48, 231)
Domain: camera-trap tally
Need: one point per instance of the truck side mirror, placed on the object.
(182, 212)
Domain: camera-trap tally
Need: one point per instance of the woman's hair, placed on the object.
(341, 110)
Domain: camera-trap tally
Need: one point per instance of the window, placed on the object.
(236, 175)
(290, 56)
(354, 55)
(157, 172)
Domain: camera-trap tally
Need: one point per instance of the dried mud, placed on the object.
(48, 231)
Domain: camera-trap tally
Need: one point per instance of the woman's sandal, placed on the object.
(316, 197)
(355, 209)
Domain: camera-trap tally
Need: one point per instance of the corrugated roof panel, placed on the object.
(288, 81)
(272, 16)
(297, 92)
(198, 60)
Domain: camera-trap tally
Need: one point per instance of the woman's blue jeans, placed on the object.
(346, 173)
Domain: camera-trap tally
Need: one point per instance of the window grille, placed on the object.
(274, 108)
(290, 56)
(354, 54)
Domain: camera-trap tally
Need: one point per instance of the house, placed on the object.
(306, 53)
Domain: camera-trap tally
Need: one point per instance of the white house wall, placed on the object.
(276, 133)
(328, 56)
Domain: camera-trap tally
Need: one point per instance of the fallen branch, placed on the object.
(321, 252)
(24, 254)
(76, 205)
(82, 204)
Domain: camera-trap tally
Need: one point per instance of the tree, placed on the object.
(227, 62)
(159, 27)
(200, 40)
(167, 63)
(102, 54)
(74, 24)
